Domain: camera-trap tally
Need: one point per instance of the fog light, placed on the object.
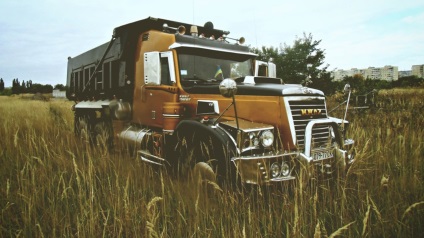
(275, 170)
(285, 169)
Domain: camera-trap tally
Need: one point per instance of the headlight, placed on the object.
(255, 141)
(267, 138)
(285, 169)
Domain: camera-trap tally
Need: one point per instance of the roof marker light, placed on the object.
(194, 31)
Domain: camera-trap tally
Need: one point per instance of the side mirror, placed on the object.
(228, 88)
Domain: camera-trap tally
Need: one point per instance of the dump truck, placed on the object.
(190, 98)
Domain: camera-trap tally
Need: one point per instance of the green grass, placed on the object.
(54, 185)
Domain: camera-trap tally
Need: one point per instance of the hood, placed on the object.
(257, 88)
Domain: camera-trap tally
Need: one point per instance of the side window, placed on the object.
(159, 68)
(165, 74)
(167, 68)
(263, 70)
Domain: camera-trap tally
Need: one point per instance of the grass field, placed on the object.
(54, 185)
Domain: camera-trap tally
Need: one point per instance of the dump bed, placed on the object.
(107, 71)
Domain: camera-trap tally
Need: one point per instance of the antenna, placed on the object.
(192, 7)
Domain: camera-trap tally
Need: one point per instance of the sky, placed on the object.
(37, 36)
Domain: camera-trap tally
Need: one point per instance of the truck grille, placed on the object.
(305, 111)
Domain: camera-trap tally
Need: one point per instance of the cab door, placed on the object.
(159, 88)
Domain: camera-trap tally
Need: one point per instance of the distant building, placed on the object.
(405, 73)
(59, 94)
(339, 74)
(417, 70)
(372, 73)
(388, 72)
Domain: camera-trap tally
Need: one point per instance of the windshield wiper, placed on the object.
(196, 80)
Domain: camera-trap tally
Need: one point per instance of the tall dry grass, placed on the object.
(53, 184)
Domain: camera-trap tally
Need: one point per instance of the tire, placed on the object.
(96, 132)
(203, 172)
(204, 157)
(82, 128)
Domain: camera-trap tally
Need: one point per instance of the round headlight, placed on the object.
(275, 170)
(267, 138)
(285, 169)
(251, 135)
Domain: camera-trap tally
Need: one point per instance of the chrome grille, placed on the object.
(303, 112)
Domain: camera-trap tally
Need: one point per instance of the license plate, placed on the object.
(321, 155)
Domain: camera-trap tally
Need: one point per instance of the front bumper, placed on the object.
(256, 169)
(342, 150)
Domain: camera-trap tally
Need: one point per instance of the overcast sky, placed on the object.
(37, 36)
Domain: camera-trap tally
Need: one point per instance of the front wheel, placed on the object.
(203, 172)
(206, 158)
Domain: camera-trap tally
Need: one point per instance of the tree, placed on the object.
(16, 86)
(41, 88)
(1, 85)
(61, 87)
(302, 63)
(23, 87)
(270, 54)
(408, 81)
(303, 60)
(29, 85)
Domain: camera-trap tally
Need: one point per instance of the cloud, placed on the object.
(419, 19)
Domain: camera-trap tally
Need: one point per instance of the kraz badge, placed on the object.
(310, 112)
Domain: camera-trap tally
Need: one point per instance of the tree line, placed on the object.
(19, 87)
(29, 87)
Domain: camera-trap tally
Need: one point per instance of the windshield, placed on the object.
(208, 66)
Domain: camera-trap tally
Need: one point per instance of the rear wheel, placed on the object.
(92, 130)
(83, 128)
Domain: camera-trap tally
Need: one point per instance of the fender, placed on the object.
(189, 127)
(222, 159)
(92, 104)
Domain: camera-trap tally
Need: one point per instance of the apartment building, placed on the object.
(388, 72)
(417, 70)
